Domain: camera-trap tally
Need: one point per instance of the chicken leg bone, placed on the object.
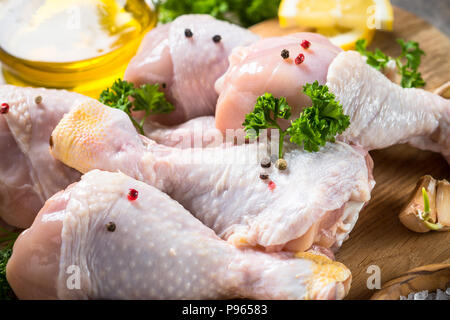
(384, 114)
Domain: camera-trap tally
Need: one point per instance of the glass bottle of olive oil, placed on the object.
(79, 45)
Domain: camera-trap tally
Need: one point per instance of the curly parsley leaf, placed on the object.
(376, 59)
(244, 12)
(6, 292)
(316, 125)
(117, 96)
(411, 52)
(265, 115)
(321, 122)
(146, 98)
(149, 99)
(169, 10)
(267, 111)
(251, 12)
(411, 78)
(6, 243)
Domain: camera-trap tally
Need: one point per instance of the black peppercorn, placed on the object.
(188, 33)
(111, 226)
(285, 54)
(265, 163)
(263, 176)
(217, 38)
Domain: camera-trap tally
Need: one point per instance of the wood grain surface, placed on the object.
(378, 237)
(430, 277)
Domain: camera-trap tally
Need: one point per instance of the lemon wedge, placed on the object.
(346, 39)
(351, 14)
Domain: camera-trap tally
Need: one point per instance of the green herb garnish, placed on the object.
(316, 125)
(268, 110)
(244, 12)
(411, 53)
(6, 243)
(146, 98)
(321, 122)
(376, 59)
(6, 292)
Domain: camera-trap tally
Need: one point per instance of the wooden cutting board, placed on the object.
(378, 237)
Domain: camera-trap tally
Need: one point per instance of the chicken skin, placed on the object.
(199, 132)
(29, 175)
(92, 241)
(186, 57)
(315, 201)
(28, 171)
(382, 113)
(260, 68)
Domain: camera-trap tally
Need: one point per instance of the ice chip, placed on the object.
(422, 295)
(440, 295)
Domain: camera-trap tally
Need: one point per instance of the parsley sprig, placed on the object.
(6, 243)
(316, 125)
(321, 122)
(268, 110)
(411, 53)
(145, 98)
(244, 12)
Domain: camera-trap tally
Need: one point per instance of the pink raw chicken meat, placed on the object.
(259, 68)
(382, 113)
(157, 250)
(196, 133)
(29, 175)
(187, 66)
(315, 202)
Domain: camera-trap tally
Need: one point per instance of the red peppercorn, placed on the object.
(272, 185)
(306, 44)
(133, 194)
(300, 59)
(4, 108)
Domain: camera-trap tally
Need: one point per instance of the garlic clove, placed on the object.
(443, 203)
(410, 214)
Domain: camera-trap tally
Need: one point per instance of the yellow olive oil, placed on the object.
(78, 45)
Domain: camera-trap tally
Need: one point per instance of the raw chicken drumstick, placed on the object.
(382, 113)
(316, 201)
(29, 175)
(149, 247)
(187, 56)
